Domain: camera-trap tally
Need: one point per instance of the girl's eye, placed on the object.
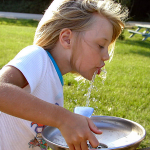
(101, 46)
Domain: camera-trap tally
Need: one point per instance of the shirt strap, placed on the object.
(56, 67)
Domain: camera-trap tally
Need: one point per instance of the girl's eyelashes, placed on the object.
(101, 46)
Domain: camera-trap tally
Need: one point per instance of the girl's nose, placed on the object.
(106, 56)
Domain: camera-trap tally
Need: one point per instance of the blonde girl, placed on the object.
(73, 35)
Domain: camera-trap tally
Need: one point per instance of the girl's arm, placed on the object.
(76, 129)
(15, 101)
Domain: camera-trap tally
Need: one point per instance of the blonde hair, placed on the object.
(77, 15)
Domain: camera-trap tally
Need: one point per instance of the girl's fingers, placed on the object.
(71, 147)
(92, 139)
(78, 147)
(93, 127)
(76, 135)
(84, 146)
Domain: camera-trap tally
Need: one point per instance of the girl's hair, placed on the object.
(77, 15)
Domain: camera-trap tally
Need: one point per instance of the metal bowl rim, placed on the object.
(120, 147)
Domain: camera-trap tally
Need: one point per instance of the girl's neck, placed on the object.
(62, 58)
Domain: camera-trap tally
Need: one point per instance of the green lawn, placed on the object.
(125, 93)
(14, 35)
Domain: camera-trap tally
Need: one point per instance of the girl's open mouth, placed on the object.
(98, 71)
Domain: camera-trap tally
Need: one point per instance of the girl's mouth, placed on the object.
(98, 71)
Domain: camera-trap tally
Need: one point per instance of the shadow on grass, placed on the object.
(141, 44)
(18, 22)
(140, 52)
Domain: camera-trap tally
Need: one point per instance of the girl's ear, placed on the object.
(65, 38)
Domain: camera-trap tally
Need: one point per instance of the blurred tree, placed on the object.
(24, 6)
(141, 10)
(138, 9)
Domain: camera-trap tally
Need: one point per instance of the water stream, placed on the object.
(90, 89)
(103, 76)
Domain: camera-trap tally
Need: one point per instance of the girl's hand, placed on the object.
(77, 129)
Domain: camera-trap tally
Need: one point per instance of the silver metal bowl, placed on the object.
(118, 134)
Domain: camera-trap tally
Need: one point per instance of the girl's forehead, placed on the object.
(100, 28)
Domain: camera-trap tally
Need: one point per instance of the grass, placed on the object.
(15, 35)
(125, 93)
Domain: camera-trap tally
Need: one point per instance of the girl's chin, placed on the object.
(89, 77)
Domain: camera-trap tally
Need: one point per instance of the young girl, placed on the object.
(73, 35)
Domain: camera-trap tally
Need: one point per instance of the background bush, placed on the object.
(139, 9)
(24, 6)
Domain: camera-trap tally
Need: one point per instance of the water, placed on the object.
(103, 76)
(90, 88)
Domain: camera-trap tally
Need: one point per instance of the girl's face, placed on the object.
(91, 50)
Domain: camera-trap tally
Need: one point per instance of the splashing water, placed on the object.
(90, 88)
(103, 76)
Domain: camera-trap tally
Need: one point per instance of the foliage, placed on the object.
(125, 2)
(138, 9)
(25, 6)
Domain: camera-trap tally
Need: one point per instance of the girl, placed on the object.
(73, 35)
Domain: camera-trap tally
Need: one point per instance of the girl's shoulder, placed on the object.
(32, 49)
(32, 52)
